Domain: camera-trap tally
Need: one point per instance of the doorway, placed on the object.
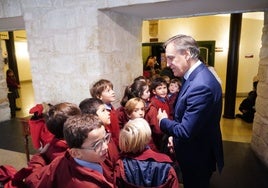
(15, 54)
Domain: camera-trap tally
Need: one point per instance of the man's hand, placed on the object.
(161, 114)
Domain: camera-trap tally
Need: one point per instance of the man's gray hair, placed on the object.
(184, 42)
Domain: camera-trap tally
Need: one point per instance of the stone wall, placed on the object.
(259, 141)
(4, 104)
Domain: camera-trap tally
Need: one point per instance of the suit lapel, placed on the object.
(186, 84)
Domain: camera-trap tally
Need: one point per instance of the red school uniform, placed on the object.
(171, 102)
(65, 172)
(122, 116)
(113, 128)
(151, 117)
(108, 164)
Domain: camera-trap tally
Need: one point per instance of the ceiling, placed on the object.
(169, 9)
(187, 8)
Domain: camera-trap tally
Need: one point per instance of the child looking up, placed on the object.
(103, 90)
(152, 169)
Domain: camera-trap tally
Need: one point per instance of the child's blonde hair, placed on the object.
(135, 136)
(131, 104)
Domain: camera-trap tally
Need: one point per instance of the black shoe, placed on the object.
(17, 109)
(238, 115)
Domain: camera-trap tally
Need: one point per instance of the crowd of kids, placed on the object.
(96, 145)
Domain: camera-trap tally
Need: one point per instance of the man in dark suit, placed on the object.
(196, 126)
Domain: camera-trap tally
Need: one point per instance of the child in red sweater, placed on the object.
(103, 90)
(158, 100)
(96, 107)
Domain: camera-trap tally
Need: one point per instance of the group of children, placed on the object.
(97, 145)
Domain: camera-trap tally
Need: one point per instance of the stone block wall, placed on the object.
(259, 141)
(72, 45)
(4, 104)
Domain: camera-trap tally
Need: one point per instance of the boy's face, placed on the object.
(173, 88)
(138, 112)
(108, 95)
(146, 94)
(95, 147)
(161, 90)
(103, 114)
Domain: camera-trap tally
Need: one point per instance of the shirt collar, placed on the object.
(108, 107)
(187, 74)
(94, 166)
(160, 98)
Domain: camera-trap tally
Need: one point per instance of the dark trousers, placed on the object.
(12, 103)
(196, 179)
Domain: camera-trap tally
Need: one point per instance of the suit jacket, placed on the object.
(196, 125)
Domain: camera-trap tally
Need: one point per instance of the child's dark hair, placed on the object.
(176, 80)
(57, 115)
(99, 87)
(140, 78)
(76, 129)
(157, 82)
(136, 89)
(8, 71)
(90, 105)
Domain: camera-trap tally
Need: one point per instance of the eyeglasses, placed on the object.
(98, 145)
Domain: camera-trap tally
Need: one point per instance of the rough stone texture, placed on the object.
(10, 8)
(72, 44)
(4, 104)
(259, 141)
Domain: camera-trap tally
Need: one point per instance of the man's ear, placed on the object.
(153, 91)
(75, 153)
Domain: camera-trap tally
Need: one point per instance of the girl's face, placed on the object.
(173, 87)
(146, 94)
(161, 90)
(138, 112)
(108, 95)
(104, 114)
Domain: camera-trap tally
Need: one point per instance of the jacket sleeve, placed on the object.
(190, 114)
